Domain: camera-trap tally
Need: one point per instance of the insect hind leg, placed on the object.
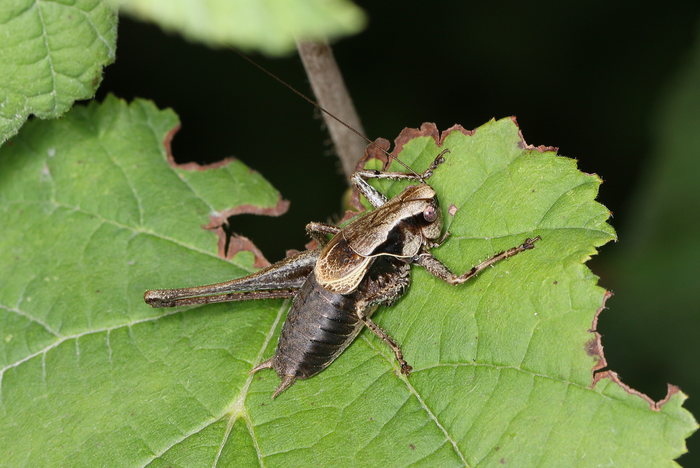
(319, 231)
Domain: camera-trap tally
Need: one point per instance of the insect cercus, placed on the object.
(337, 286)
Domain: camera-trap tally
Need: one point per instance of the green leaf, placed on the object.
(270, 26)
(93, 214)
(51, 54)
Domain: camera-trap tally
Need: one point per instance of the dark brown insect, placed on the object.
(337, 286)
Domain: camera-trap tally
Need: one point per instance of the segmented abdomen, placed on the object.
(319, 326)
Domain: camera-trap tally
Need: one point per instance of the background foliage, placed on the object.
(51, 54)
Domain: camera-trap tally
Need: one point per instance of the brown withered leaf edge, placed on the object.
(217, 221)
(594, 348)
(426, 129)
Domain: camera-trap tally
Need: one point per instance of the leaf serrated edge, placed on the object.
(595, 348)
(217, 219)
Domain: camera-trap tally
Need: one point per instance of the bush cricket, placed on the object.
(338, 285)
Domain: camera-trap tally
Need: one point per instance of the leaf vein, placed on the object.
(48, 53)
(422, 402)
(32, 319)
(551, 207)
(534, 326)
(110, 50)
(488, 175)
(139, 203)
(18, 14)
(237, 409)
(543, 452)
(368, 441)
(556, 379)
(503, 439)
(76, 336)
(530, 231)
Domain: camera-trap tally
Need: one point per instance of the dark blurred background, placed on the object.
(603, 81)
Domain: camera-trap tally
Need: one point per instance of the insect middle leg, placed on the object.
(386, 290)
(384, 336)
(438, 269)
(373, 196)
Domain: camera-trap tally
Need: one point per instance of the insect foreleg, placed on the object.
(373, 196)
(438, 269)
(319, 231)
(278, 279)
(403, 175)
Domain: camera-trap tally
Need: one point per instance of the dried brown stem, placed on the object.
(328, 86)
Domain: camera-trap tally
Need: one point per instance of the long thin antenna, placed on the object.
(319, 107)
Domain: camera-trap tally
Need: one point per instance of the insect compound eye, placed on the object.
(430, 214)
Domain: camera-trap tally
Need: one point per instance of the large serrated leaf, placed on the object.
(271, 26)
(93, 213)
(51, 54)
